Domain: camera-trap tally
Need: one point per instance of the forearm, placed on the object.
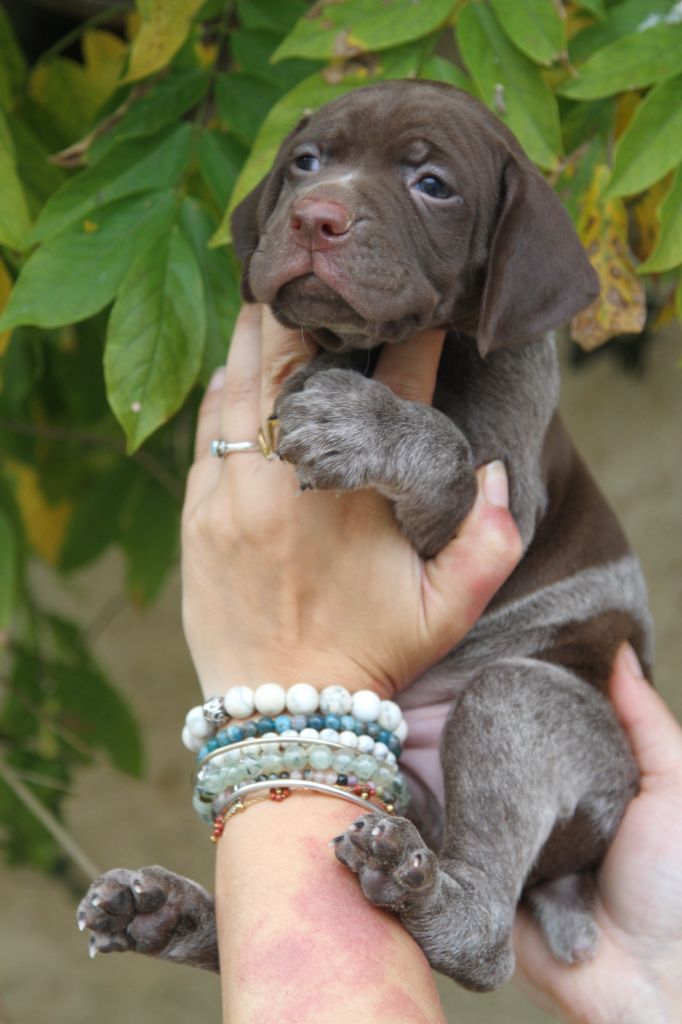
(298, 940)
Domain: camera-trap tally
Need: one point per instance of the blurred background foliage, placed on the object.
(127, 134)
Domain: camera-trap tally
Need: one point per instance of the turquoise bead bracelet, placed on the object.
(288, 724)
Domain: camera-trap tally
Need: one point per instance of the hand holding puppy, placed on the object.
(243, 515)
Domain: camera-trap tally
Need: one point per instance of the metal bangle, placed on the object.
(317, 787)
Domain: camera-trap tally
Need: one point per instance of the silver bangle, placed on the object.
(317, 787)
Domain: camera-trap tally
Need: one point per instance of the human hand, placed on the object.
(284, 586)
(635, 975)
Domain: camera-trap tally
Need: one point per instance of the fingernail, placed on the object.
(217, 380)
(632, 661)
(496, 484)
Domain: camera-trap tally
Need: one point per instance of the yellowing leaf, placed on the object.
(626, 104)
(45, 524)
(668, 251)
(644, 219)
(104, 55)
(163, 29)
(620, 307)
(69, 94)
(5, 289)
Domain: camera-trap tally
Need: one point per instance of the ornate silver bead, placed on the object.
(214, 712)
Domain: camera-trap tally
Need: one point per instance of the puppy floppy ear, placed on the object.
(245, 233)
(538, 273)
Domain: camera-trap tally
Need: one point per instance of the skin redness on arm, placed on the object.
(298, 940)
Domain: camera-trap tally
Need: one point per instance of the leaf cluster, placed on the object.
(118, 287)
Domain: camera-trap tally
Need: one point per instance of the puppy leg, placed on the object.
(563, 910)
(537, 776)
(151, 911)
(344, 431)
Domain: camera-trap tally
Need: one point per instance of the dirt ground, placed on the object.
(628, 428)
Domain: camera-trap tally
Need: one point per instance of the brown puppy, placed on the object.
(402, 206)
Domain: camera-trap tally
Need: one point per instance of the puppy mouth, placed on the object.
(309, 302)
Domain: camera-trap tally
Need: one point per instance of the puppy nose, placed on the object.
(320, 223)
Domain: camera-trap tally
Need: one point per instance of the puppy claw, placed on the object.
(92, 947)
(81, 922)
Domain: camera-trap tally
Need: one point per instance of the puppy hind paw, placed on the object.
(563, 909)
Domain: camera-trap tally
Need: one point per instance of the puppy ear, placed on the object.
(244, 224)
(538, 274)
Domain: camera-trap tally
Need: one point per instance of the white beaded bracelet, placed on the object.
(268, 699)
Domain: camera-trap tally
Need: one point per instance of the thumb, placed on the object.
(463, 578)
(654, 733)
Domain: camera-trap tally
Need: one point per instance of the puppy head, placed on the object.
(408, 205)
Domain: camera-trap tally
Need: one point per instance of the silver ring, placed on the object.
(220, 448)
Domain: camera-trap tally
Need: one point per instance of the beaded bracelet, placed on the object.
(367, 738)
(227, 769)
(364, 798)
(270, 700)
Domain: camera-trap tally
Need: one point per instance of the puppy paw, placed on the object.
(150, 911)
(395, 867)
(564, 910)
(334, 430)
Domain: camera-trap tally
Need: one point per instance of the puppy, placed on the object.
(403, 206)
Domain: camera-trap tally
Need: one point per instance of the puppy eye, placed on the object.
(432, 186)
(307, 162)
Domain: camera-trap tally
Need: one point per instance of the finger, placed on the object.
(283, 352)
(410, 369)
(206, 469)
(209, 423)
(240, 413)
(463, 578)
(653, 731)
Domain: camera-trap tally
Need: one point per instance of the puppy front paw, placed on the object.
(334, 430)
(150, 911)
(395, 868)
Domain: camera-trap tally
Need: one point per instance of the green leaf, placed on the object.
(156, 337)
(438, 69)
(12, 63)
(68, 93)
(243, 102)
(220, 158)
(77, 273)
(668, 251)
(8, 575)
(163, 105)
(95, 520)
(15, 220)
(140, 165)
(623, 19)
(271, 15)
(149, 535)
(358, 26)
(583, 121)
(631, 62)
(595, 7)
(529, 107)
(221, 285)
(252, 51)
(536, 27)
(652, 142)
(38, 177)
(92, 709)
